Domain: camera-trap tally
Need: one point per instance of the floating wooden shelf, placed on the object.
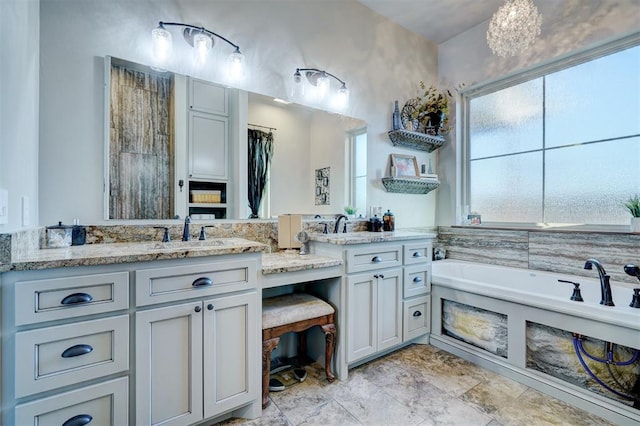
(415, 140)
(409, 185)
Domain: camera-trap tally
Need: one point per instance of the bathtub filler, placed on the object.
(522, 324)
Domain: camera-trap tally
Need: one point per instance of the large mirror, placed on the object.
(166, 155)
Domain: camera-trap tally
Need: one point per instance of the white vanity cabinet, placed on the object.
(65, 346)
(198, 356)
(387, 293)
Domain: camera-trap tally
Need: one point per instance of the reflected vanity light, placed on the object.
(202, 41)
(314, 85)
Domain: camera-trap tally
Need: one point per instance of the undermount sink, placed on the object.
(194, 244)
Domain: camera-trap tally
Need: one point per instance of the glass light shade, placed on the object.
(323, 85)
(162, 43)
(514, 27)
(341, 99)
(297, 88)
(202, 44)
(235, 69)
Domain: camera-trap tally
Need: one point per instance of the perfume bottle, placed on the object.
(397, 123)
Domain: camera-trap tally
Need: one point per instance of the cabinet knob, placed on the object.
(197, 308)
(76, 350)
(417, 279)
(376, 259)
(417, 254)
(210, 306)
(202, 281)
(76, 298)
(79, 420)
(417, 314)
(381, 276)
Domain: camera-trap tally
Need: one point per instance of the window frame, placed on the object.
(466, 95)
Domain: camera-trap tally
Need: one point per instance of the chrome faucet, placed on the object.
(605, 287)
(185, 231)
(337, 227)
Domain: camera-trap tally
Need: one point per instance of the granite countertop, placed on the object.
(275, 263)
(371, 237)
(104, 254)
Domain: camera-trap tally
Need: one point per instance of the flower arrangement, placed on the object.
(633, 205)
(432, 109)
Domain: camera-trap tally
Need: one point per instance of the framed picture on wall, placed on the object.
(404, 166)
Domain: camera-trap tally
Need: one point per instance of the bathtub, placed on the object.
(524, 299)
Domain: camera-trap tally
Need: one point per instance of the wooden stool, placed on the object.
(294, 313)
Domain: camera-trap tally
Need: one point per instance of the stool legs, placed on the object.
(330, 337)
(267, 347)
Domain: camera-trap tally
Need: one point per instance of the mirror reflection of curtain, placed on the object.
(260, 154)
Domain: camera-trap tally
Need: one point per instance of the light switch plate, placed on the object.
(4, 206)
(26, 216)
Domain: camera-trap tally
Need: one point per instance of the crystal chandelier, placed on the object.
(514, 27)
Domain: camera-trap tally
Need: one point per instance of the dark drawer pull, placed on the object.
(79, 420)
(417, 280)
(376, 259)
(76, 350)
(417, 254)
(77, 298)
(417, 314)
(202, 281)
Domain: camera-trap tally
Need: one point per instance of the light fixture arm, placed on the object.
(320, 71)
(202, 29)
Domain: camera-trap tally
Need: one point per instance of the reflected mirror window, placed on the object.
(357, 144)
(561, 148)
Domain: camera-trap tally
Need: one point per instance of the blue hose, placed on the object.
(577, 345)
(609, 360)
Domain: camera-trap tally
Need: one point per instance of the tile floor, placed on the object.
(417, 385)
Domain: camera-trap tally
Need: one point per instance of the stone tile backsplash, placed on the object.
(554, 251)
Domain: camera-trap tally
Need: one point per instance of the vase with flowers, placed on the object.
(432, 109)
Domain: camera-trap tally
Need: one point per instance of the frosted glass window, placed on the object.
(596, 100)
(507, 121)
(589, 183)
(562, 148)
(507, 189)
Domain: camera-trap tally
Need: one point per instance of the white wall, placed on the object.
(19, 60)
(567, 26)
(379, 60)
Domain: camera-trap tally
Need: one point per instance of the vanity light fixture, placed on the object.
(202, 41)
(315, 85)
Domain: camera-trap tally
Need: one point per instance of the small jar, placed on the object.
(59, 235)
(375, 224)
(388, 221)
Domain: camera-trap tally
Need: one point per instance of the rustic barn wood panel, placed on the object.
(141, 144)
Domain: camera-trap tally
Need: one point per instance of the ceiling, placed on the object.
(436, 20)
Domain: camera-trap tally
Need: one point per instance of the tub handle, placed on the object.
(417, 314)
(576, 296)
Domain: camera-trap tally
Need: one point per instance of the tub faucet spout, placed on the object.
(605, 286)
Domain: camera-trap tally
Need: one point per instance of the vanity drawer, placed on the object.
(106, 403)
(370, 258)
(416, 317)
(419, 252)
(417, 281)
(171, 284)
(69, 297)
(52, 357)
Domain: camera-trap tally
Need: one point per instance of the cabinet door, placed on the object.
(389, 317)
(169, 365)
(231, 352)
(208, 97)
(362, 300)
(208, 143)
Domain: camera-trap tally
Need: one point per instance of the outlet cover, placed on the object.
(4, 206)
